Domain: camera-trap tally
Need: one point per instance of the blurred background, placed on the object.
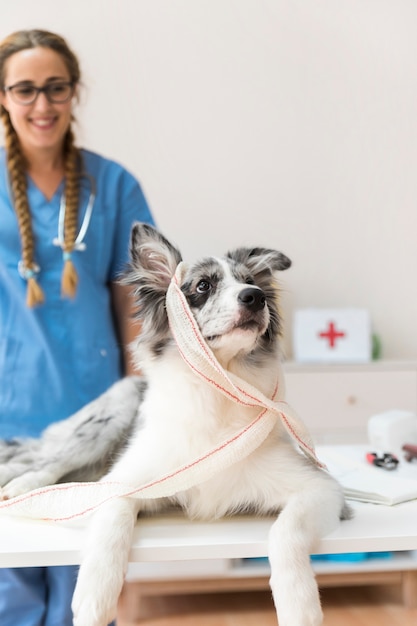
(284, 123)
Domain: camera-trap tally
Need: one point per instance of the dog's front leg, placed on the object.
(305, 518)
(104, 563)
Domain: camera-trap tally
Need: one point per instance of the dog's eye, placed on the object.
(203, 286)
(249, 281)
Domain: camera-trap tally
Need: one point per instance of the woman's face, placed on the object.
(42, 125)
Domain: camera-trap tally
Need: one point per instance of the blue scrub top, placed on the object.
(59, 356)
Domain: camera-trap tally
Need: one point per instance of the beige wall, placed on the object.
(286, 123)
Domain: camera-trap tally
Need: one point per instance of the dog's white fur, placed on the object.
(177, 418)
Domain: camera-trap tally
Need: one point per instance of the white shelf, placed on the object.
(377, 366)
(336, 400)
(398, 561)
(259, 567)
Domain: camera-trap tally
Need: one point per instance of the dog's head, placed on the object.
(234, 299)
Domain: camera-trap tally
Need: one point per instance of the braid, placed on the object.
(16, 168)
(72, 190)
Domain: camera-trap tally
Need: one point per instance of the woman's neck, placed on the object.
(47, 171)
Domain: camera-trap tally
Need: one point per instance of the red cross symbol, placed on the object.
(331, 334)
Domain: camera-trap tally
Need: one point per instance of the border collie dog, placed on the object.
(146, 427)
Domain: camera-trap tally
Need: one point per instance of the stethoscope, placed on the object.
(59, 240)
(79, 241)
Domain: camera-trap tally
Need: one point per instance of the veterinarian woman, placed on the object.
(65, 219)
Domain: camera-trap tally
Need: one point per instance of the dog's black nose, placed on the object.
(252, 298)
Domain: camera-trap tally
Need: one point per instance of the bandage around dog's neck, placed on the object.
(198, 355)
(72, 500)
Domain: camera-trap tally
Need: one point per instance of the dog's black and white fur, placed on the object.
(143, 428)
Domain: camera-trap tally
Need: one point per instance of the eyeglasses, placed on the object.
(56, 93)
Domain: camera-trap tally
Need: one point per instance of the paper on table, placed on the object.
(367, 483)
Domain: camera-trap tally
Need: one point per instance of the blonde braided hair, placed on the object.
(17, 168)
(72, 193)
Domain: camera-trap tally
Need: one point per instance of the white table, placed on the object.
(171, 537)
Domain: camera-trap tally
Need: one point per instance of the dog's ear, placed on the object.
(153, 257)
(260, 259)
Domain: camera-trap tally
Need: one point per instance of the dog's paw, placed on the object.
(298, 603)
(89, 613)
(96, 595)
(6, 474)
(92, 610)
(298, 615)
(20, 485)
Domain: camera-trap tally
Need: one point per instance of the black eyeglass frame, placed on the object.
(46, 89)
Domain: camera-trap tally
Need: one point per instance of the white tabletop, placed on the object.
(164, 538)
(374, 528)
